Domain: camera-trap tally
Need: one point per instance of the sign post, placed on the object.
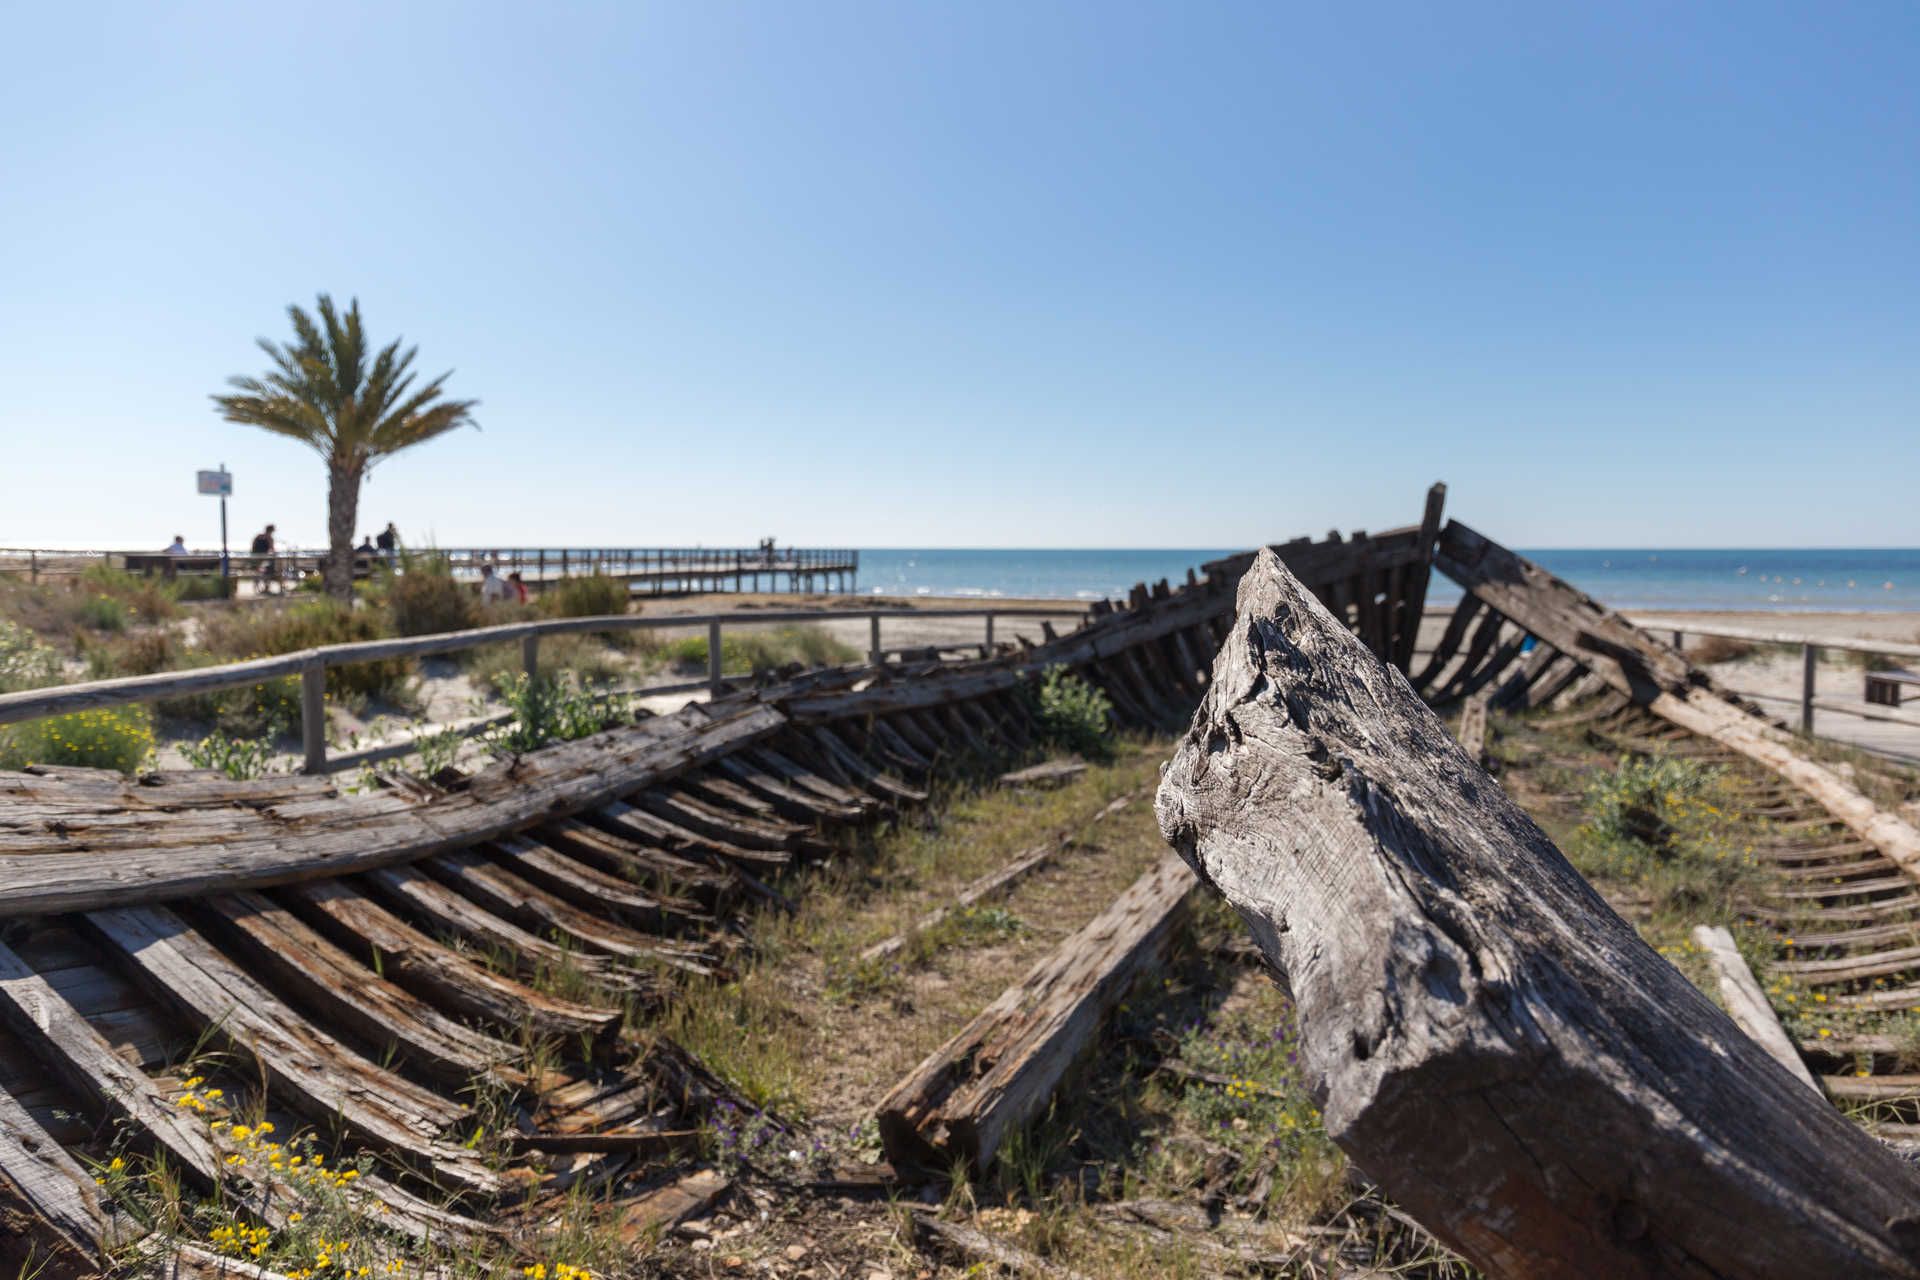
(220, 483)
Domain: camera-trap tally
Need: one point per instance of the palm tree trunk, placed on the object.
(343, 510)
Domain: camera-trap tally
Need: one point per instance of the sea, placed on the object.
(1784, 579)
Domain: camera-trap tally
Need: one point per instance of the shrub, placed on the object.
(151, 599)
(583, 656)
(1712, 649)
(113, 738)
(103, 613)
(765, 650)
(594, 596)
(203, 586)
(140, 654)
(238, 758)
(548, 709)
(425, 600)
(25, 663)
(1074, 715)
(264, 633)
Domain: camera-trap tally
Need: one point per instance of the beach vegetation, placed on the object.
(593, 595)
(552, 709)
(764, 649)
(1074, 715)
(25, 663)
(325, 392)
(119, 738)
(238, 635)
(425, 599)
(238, 758)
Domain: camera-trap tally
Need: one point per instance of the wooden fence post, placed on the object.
(313, 714)
(874, 654)
(1809, 658)
(530, 656)
(989, 652)
(713, 659)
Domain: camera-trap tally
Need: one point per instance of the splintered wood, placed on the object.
(1494, 1046)
(1000, 1069)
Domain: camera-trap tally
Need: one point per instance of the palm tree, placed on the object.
(323, 393)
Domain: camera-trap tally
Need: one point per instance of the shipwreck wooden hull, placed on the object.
(369, 957)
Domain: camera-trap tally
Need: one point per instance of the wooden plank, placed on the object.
(1463, 617)
(42, 1020)
(320, 1076)
(663, 833)
(1046, 774)
(413, 892)
(383, 1015)
(498, 890)
(588, 887)
(1418, 574)
(1000, 1070)
(497, 801)
(1473, 727)
(1462, 994)
(439, 973)
(1747, 1004)
(51, 1223)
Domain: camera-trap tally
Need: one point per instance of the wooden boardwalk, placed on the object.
(654, 570)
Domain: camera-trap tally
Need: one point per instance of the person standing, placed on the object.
(388, 542)
(493, 587)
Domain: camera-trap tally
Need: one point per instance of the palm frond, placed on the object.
(322, 391)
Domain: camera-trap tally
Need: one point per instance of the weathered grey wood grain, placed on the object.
(1747, 1004)
(1488, 1040)
(50, 1218)
(334, 836)
(999, 1070)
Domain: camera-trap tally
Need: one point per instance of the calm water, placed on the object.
(1825, 579)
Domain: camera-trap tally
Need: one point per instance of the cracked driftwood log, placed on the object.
(1486, 1038)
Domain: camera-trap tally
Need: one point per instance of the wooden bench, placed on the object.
(162, 563)
(1885, 687)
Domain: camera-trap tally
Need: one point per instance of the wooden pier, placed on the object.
(652, 570)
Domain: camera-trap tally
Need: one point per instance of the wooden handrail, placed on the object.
(311, 665)
(1679, 627)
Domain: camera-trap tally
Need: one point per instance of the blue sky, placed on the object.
(980, 274)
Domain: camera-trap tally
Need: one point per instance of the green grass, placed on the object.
(767, 649)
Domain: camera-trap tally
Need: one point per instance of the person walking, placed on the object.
(388, 543)
(493, 587)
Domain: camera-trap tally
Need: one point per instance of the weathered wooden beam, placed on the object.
(1488, 1040)
(1473, 727)
(1747, 1004)
(999, 1070)
(320, 1076)
(1048, 773)
(1418, 576)
(51, 1225)
(439, 973)
(334, 836)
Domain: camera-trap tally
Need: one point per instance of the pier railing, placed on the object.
(654, 566)
(311, 665)
(1810, 647)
